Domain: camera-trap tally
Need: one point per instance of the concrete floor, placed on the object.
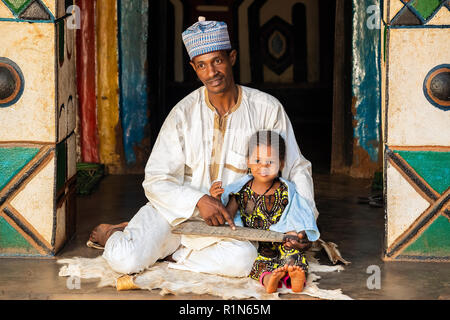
(358, 229)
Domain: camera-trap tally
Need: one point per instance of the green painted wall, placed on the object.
(12, 241)
(435, 241)
(433, 167)
(12, 160)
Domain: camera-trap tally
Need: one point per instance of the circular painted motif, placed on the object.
(277, 44)
(436, 86)
(11, 82)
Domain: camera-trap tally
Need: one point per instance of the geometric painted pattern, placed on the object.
(416, 76)
(404, 204)
(31, 46)
(37, 153)
(426, 8)
(417, 12)
(17, 6)
(5, 13)
(442, 17)
(33, 217)
(411, 120)
(12, 160)
(430, 242)
(433, 167)
(406, 17)
(35, 11)
(277, 37)
(436, 86)
(16, 220)
(35, 201)
(28, 10)
(13, 241)
(427, 238)
(394, 8)
(11, 82)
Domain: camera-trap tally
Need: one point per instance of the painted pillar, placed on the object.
(416, 130)
(86, 82)
(133, 36)
(366, 89)
(109, 127)
(37, 119)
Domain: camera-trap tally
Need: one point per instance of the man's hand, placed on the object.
(216, 190)
(303, 244)
(213, 212)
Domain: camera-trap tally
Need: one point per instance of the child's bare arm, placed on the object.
(232, 207)
(216, 190)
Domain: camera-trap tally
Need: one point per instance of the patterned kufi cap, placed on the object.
(206, 36)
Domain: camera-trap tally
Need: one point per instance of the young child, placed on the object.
(264, 200)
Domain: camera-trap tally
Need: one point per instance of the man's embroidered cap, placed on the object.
(206, 36)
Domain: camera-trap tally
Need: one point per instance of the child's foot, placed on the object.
(298, 277)
(102, 232)
(274, 278)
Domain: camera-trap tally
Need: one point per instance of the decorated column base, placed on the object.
(416, 110)
(37, 120)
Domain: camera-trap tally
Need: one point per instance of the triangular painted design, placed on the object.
(406, 18)
(426, 8)
(16, 6)
(12, 160)
(35, 11)
(12, 242)
(5, 12)
(434, 241)
(432, 166)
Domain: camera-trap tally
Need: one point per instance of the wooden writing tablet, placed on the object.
(200, 228)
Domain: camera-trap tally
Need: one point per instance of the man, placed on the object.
(203, 139)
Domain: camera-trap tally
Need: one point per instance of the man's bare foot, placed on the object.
(102, 232)
(271, 280)
(298, 277)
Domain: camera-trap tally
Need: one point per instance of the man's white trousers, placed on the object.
(147, 238)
